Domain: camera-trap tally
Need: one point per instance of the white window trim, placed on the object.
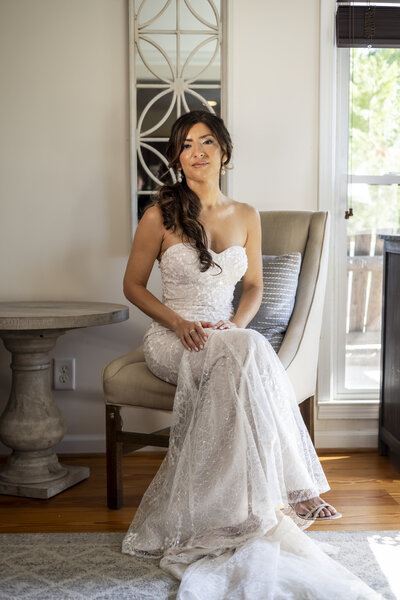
(330, 404)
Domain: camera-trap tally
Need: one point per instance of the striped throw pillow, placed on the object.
(280, 275)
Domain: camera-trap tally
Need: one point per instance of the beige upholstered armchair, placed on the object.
(127, 382)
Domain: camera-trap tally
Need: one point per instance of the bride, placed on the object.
(241, 478)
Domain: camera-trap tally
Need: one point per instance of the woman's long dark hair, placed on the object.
(180, 206)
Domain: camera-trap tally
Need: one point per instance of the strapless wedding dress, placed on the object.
(217, 512)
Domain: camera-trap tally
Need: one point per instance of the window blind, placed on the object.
(367, 24)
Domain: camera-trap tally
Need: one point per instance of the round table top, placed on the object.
(59, 315)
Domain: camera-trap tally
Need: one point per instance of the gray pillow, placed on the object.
(280, 275)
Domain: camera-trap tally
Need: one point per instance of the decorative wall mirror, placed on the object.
(177, 64)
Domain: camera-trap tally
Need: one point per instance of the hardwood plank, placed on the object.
(365, 488)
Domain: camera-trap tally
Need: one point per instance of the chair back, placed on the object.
(306, 232)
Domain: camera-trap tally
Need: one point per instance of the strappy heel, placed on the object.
(313, 514)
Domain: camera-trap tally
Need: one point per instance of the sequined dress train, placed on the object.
(217, 513)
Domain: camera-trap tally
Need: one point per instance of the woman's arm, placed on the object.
(145, 249)
(252, 289)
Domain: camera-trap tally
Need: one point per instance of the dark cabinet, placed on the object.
(389, 412)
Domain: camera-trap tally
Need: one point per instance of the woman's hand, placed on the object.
(192, 334)
(224, 324)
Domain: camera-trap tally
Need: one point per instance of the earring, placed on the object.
(179, 176)
(223, 171)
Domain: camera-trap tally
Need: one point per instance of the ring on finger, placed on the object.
(191, 331)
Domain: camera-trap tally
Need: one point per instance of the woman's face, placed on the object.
(201, 156)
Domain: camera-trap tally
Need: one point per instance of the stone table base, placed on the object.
(44, 490)
(32, 424)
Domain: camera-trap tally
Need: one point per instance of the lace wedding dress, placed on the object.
(217, 512)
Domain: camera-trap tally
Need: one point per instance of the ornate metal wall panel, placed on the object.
(177, 64)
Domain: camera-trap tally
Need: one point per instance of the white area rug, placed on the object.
(90, 566)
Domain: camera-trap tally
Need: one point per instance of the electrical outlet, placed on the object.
(64, 373)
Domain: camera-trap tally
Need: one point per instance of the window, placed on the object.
(359, 173)
(370, 190)
(373, 193)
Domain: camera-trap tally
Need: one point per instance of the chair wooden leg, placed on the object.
(307, 412)
(114, 453)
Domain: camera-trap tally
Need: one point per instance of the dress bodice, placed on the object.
(200, 295)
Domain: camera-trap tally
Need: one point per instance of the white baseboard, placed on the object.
(368, 438)
(85, 444)
(91, 444)
(88, 444)
(356, 410)
(73, 444)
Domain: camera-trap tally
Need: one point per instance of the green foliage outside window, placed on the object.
(374, 144)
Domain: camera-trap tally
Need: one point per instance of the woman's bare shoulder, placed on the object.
(245, 211)
(152, 221)
(150, 231)
(249, 217)
(153, 215)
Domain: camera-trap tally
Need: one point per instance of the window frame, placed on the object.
(332, 196)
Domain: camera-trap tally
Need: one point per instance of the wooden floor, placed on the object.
(365, 488)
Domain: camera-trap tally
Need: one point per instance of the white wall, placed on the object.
(64, 160)
(274, 102)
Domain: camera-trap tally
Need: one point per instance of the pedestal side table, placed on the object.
(32, 424)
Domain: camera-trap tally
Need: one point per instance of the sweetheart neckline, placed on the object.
(210, 249)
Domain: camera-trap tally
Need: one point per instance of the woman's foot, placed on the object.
(312, 509)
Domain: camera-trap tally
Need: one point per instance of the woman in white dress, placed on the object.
(241, 478)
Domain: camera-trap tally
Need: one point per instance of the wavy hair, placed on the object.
(180, 206)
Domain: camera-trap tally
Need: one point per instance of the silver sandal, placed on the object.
(312, 515)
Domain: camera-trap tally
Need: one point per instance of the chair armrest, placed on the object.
(300, 346)
(116, 365)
